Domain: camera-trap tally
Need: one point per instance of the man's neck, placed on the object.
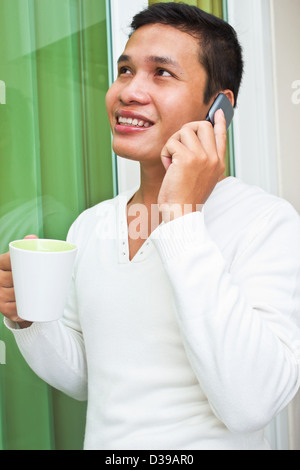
(152, 176)
(142, 210)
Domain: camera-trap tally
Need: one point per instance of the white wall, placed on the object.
(122, 13)
(285, 22)
(254, 123)
(267, 121)
(267, 126)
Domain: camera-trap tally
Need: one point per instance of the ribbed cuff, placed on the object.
(26, 335)
(179, 235)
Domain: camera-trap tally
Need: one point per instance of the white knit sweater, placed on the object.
(195, 343)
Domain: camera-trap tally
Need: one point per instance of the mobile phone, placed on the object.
(221, 102)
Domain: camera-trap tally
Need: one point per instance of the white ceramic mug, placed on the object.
(42, 273)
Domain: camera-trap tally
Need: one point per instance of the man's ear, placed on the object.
(230, 96)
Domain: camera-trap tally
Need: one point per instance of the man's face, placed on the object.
(160, 87)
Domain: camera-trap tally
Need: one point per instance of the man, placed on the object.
(182, 326)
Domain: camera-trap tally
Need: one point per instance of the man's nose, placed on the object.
(135, 91)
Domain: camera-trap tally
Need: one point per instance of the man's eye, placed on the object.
(124, 70)
(164, 73)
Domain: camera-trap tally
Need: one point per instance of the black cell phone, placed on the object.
(221, 102)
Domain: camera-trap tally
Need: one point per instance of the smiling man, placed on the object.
(159, 90)
(151, 88)
(181, 330)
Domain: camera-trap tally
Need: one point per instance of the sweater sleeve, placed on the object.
(55, 351)
(239, 321)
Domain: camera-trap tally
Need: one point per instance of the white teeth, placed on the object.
(133, 122)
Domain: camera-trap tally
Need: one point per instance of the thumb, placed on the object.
(30, 237)
(166, 157)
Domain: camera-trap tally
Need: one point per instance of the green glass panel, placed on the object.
(24, 398)
(95, 76)
(55, 161)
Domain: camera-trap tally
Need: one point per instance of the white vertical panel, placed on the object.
(122, 13)
(285, 28)
(254, 124)
(255, 139)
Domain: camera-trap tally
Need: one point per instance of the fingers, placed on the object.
(166, 159)
(220, 132)
(212, 139)
(173, 149)
(204, 138)
(6, 279)
(195, 159)
(5, 264)
(7, 296)
(189, 141)
(198, 138)
(7, 293)
(8, 305)
(9, 310)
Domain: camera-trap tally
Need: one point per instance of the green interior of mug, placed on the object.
(43, 245)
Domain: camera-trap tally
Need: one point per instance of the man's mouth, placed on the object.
(133, 122)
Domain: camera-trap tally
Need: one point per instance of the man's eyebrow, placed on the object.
(162, 60)
(123, 58)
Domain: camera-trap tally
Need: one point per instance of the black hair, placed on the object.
(220, 52)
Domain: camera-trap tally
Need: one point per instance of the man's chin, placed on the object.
(137, 155)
